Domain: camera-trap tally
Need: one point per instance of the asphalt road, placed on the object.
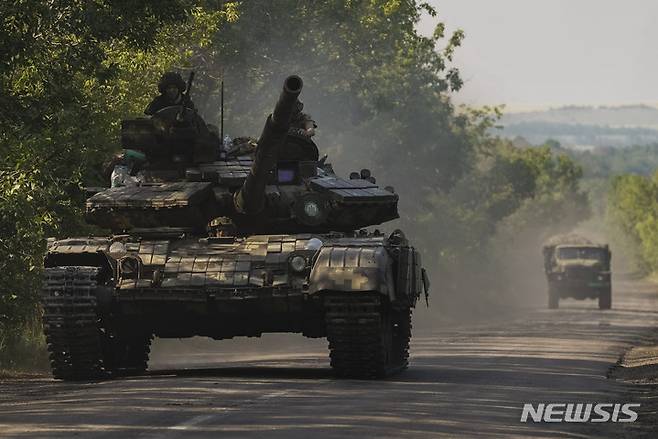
(464, 381)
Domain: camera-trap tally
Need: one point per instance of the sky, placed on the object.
(541, 53)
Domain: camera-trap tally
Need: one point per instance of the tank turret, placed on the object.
(281, 186)
(250, 199)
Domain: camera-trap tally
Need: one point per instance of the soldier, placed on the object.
(302, 122)
(171, 87)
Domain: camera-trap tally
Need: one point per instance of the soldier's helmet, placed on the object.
(171, 78)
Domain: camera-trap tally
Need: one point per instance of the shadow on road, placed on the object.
(463, 382)
(252, 370)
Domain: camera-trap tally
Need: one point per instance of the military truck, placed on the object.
(577, 268)
(231, 240)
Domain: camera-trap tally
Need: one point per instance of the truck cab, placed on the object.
(578, 271)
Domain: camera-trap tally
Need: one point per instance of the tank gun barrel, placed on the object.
(250, 199)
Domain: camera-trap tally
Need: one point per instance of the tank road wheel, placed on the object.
(605, 298)
(71, 323)
(367, 338)
(553, 298)
(128, 354)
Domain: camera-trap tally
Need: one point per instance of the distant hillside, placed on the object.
(586, 127)
(606, 162)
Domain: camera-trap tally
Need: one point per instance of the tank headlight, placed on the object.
(313, 244)
(297, 263)
(129, 267)
(312, 209)
(117, 248)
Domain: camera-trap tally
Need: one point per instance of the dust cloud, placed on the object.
(506, 278)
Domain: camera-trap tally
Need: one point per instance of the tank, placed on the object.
(231, 240)
(577, 268)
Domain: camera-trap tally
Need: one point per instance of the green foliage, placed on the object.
(607, 162)
(620, 184)
(33, 205)
(511, 191)
(557, 202)
(633, 209)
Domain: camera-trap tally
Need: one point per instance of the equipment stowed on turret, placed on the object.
(242, 243)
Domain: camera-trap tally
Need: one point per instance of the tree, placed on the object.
(376, 87)
(633, 209)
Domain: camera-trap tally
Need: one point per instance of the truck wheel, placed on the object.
(553, 298)
(605, 298)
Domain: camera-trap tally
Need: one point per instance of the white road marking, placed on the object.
(195, 421)
(192, 422)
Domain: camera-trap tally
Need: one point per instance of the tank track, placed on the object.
(134, 354)
(70, 323)
(402, 336)
(367, 338)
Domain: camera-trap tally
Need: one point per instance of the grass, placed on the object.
(23, 351)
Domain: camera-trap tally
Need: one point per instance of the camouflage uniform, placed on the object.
(301, 121)
(163, 101)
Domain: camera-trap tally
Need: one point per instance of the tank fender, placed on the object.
(412, 280)
(90, 252)
(353, 268)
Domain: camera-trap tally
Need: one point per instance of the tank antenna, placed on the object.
(221, 111)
